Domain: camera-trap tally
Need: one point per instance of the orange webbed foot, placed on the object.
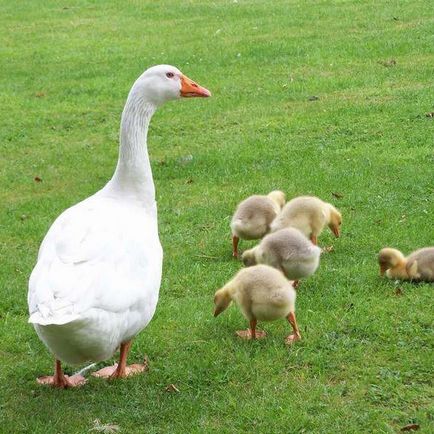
(112, 372)
(62, 382)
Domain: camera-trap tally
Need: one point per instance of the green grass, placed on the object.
(365, 362)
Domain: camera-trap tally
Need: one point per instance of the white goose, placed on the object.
(98, 274)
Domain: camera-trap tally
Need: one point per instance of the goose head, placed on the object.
(278, 197)
(163, 83)
(335, 221)
(390, 258)
(222, 300)
(249, 257)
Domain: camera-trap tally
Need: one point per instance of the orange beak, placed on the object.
(383, 268)
(335, 230)
(190, 89)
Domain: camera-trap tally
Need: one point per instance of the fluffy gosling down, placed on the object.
(289, 251)
(308, 214)
(417, 266)
(263, 294)
(253, 217)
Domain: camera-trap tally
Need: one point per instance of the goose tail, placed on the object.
(56, 314)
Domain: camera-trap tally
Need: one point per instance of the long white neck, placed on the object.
(133, 175)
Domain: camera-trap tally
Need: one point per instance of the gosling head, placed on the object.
(389, 258)
(335, 221)
(222, 300)
(278, 197)
(162, 83)
(249, 258)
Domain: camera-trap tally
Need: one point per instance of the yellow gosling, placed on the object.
(309, 215)
(262, 293)
(253, 217)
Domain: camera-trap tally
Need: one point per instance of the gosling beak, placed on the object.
(218, 311)
(190, 89)
(335, 230)
(383, 269)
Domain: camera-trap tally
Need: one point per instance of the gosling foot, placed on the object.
(292, 338)
(247, 334)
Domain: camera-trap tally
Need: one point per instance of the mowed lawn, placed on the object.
(322, 97)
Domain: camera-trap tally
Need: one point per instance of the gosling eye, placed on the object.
(170, 74)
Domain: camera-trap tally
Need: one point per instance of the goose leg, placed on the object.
(253, 323)
(121, 370)
(59, 379)
(252, 332)
(235, 240)
(296, 335)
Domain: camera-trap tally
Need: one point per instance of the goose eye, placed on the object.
(170, 74)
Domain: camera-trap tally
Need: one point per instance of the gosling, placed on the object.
(309, 215)
(253, 217)
(289, 251)
(418, 266)
(263, 294)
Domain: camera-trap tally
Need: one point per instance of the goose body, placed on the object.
(96, 282)
(287, 250)
(97, 278)
(420, 264)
